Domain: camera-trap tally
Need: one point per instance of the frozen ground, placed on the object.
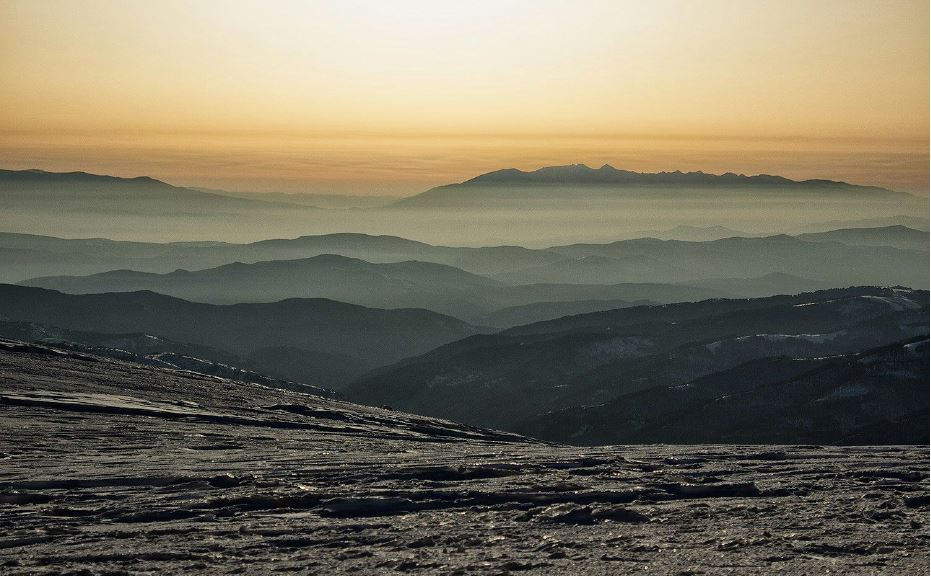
(115, 468)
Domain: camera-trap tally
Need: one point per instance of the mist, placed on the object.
(536, 223)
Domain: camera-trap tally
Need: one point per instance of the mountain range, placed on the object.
(869, 397)
(897, 236)
(305, 338)
(26, 255)
(671, 260)
(575, 379)
(821, 336)
(513, 379)
(81, 191)
(607, 174)
(578, 182)
(504, 285)
(408, 284)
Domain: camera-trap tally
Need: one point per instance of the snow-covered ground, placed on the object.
(110, 467)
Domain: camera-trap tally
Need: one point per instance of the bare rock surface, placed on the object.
(108, 467)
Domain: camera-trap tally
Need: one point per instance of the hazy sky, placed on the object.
(391, 97)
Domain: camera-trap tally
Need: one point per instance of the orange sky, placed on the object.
(392, 97)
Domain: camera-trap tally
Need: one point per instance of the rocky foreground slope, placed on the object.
(112, 467)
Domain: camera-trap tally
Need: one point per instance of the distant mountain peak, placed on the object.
(117, 193)
(75, 176)
(583, 174)
(575, 183)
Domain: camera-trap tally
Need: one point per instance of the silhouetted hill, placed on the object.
(476, 299)
(896, 236)
(835, 263)
(82, 204)
(582, 174)
(511, 377)
(395, 285)
(919, 222)
(67, 190)
(373, 336)
(52, 180)
(579, 183)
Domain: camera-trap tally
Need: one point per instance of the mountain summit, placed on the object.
(576, 182)
(607, 174)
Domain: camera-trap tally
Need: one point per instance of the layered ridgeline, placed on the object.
(586, 378)
(840, 264)
(897, 236)
(483, 285)
(556, 205)
(315, 341)
(408, 284)
(24, 255)
(580, 183)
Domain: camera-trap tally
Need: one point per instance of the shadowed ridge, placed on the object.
(515, 375)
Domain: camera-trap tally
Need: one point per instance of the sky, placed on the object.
(394, 97)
